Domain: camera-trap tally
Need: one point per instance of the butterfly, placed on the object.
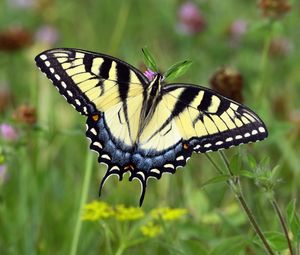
(144, 127)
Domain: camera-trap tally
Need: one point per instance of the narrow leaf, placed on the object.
(247, 174)
(217, 179)
(149, 60)
(293, 220)
(276, 240)
(177, 70)
(235, 164)
(251, 161)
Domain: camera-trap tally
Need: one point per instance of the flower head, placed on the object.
(167, 213)
(236, 31)
(47, 34)
(151, 229)
(25, 114)
(190, 18)
(228, 82)
(97, 210)
(274, 9)
(280, 47)
(14, 38)
(149, 74)
(8, 132)
(123, 213)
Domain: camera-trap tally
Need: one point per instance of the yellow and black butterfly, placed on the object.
(145, 127)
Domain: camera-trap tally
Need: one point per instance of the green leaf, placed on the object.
(217, 179)
(247, 174)
(235, 164)
(251, 161)
(276, 240)
(149, 59)
(177, 70)
(293, 220)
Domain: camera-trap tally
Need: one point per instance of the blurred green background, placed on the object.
(248, 50)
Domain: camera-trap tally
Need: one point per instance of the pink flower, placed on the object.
(8, 132)
(237, 30)
(149, 74)
(47, 34)
(191, 20)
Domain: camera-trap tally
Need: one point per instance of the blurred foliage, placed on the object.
(41, 178)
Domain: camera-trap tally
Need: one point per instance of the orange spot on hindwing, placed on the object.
(96, 117)
(185, 146)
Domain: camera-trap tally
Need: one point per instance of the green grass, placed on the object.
(46, 168)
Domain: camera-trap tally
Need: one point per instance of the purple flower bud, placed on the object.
(149, 74)
(47, 34)
(237, 30)
(191, 20)
(8, 132)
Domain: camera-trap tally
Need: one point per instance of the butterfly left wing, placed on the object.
(192, 118)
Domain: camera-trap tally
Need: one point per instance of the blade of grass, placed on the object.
(83, 198)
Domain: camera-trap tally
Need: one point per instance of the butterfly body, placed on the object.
(145, 127)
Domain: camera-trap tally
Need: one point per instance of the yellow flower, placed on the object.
(97, 210)
(167, 213)
(123, 213)
(151, 229)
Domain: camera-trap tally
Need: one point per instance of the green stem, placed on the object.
(236, 188)
(283, 225)
(213, 163)
(84, 193)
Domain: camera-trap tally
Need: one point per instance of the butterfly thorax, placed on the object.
(152, 97)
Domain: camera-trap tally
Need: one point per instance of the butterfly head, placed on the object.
(155, 85)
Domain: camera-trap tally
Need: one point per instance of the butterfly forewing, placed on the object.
(89, 81)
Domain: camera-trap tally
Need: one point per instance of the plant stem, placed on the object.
(213, 163)
(236, 188)
(84, 193)
(283, 225)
